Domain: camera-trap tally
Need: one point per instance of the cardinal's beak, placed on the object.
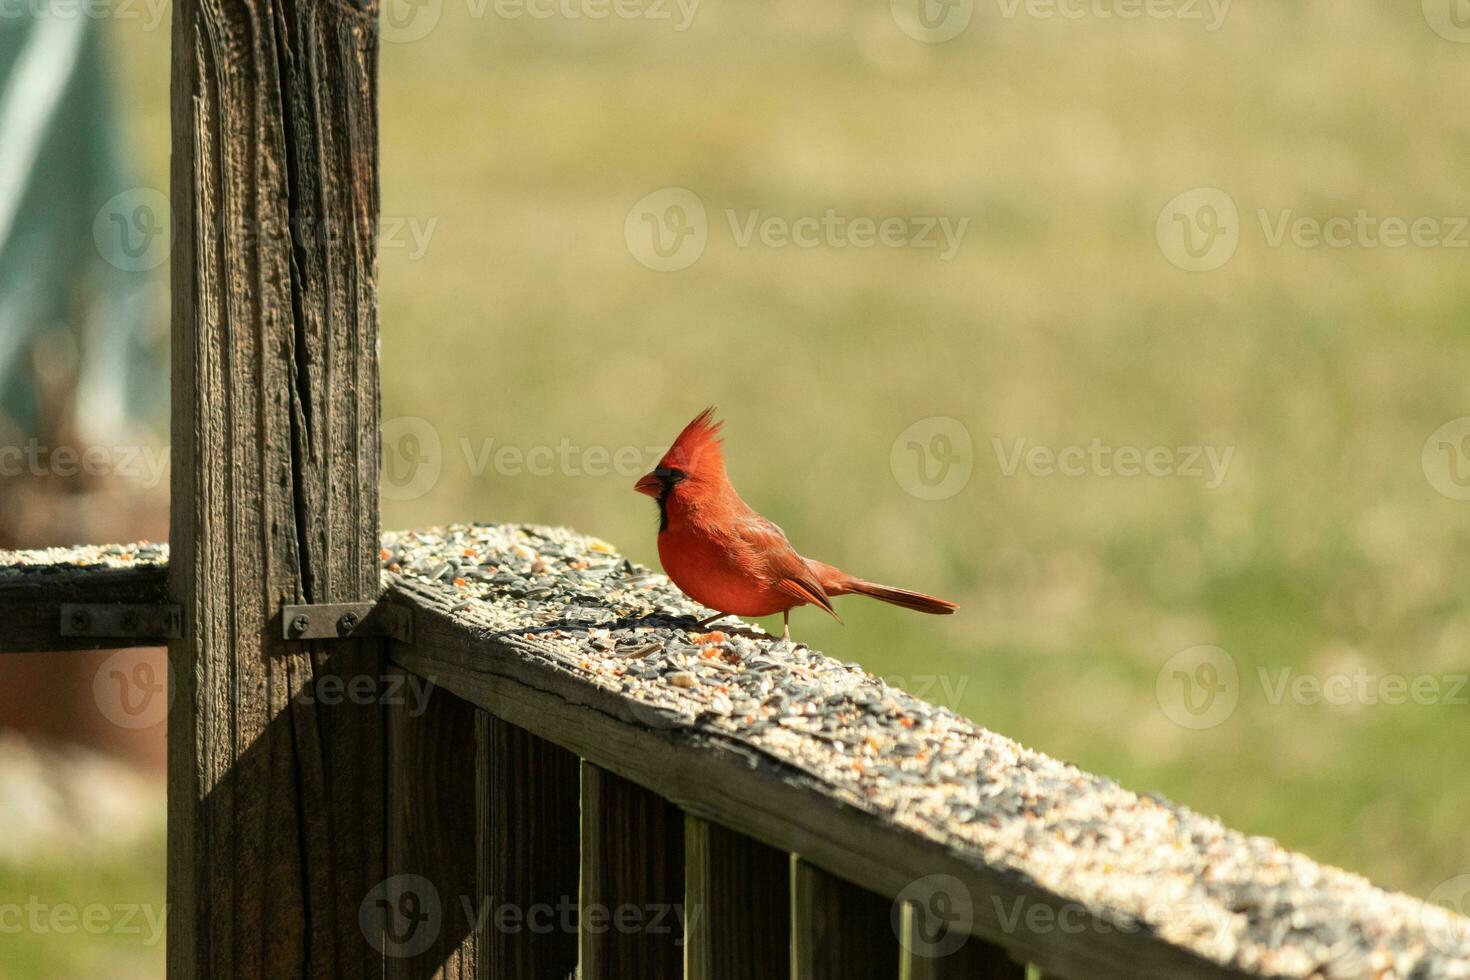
(649, 484)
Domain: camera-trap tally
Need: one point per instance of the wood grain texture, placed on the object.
(529, 853)
(432, 775)
(839, 930)
(724, 781)
(31, 597)
(737, 901)
(276, 795)
(632, 881)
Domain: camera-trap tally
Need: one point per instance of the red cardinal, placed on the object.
(726, 556)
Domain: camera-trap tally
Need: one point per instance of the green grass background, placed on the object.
(528, 321)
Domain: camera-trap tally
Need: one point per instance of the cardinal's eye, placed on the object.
(670, 475)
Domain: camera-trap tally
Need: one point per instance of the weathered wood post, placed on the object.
(276, 756)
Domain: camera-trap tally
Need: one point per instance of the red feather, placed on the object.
(698, 448)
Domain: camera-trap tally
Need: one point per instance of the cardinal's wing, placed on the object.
(766, 547)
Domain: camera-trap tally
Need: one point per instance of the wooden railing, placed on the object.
(578, 780)
(507, 755)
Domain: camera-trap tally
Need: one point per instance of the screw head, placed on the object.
(299, 624)
(79, 618)
(130, 620)
(347, 623)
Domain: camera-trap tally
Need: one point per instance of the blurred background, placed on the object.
(1156, 366)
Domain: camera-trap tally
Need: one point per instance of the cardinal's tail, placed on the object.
(901, 597)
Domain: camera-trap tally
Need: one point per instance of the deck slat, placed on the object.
(839, 931)
(632, 881)
(931, 951)
(528, 853)
(431, 829)
(737, 905)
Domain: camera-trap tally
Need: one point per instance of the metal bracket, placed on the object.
(122, 620)
(347, 620)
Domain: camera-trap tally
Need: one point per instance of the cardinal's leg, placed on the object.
(786, 626)
(710, 619)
